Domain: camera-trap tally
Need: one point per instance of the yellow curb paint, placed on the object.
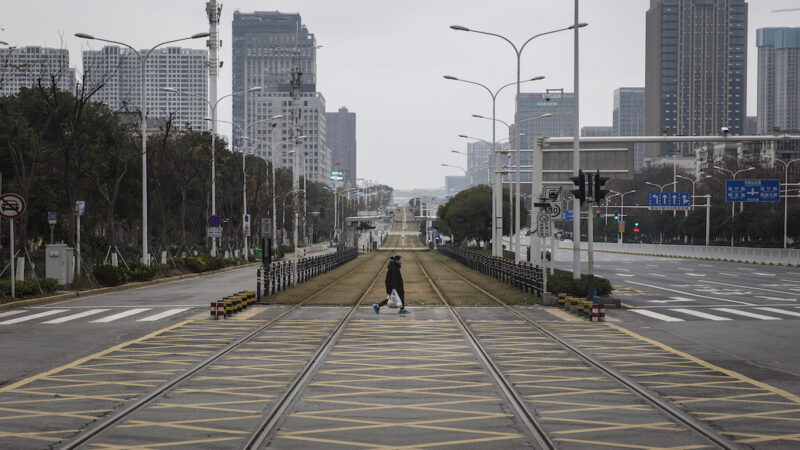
(80, 361)
(730, 373)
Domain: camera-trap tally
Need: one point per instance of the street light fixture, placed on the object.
(143, 112)
(213, 107)
(497, 185)
(785, 197)
(537, 176)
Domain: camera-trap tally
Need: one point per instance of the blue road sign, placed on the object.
(669, 200)
(214, 221)
(51, 218)
(567, 215)
(621, 222)
(752, 190)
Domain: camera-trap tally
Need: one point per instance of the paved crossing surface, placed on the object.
(720, 314)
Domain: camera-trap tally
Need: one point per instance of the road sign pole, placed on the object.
(590, 253)
(708, 218)
(13, 276)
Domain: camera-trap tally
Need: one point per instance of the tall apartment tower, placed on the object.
(27, 66)
(778, 79)
(695, 69)
(341, 127)
(118, 70)
(266, 46)
(628, 118)
(480, 163)
(597, 131)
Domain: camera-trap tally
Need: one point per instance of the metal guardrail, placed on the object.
(522, 275)
(787, 257)
(280, 275)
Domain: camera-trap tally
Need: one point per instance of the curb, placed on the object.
(737, 261)
(124, 287)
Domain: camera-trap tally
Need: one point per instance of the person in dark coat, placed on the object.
(394, 280)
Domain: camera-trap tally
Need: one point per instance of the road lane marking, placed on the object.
(696, 274)
(11, 313)
(743, 286)
(764, 274)
(90, 312)
(780, 311)
(625, 275)
(657, 274)
(702, 315)
(162, 315)
(777, 299)
(672, 300)
(692, 294)
(656, 315)
(747, 314)
(114, 317)
(34, 316)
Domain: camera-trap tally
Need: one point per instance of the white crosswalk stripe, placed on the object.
(90, 312)
(780, 311)
(656, 315)
(700, 314)
(11, 313)
(746, 314)
(162, 315)
(34, 316)
(121, 315)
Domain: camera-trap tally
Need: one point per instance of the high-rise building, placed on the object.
(751, 125)
(118, 74)
(628, 118)
(479, 163)
(341, 140)
(778, 79)
(590, 131)
(28, 66)
(267, 48)
(454, 183)
(695, 69)
(535, 104)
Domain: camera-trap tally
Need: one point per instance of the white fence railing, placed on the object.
(787, 257)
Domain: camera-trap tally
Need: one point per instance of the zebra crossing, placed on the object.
(719, 314)
(96, 315)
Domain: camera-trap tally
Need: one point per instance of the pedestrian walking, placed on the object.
(394, 281)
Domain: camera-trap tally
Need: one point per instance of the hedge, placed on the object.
(28, 287)
(562, 282)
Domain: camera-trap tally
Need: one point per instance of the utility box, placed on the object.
(60, 263)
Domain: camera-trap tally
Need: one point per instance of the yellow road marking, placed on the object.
(594, 443)
(165, 444)
(731, 373)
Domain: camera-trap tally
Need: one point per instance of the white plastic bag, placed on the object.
(394, 300)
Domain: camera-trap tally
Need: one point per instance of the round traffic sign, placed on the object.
(553, 210)
(544, 218)
(214, 221)
(11, 206)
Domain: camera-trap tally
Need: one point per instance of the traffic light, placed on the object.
(636, 230)
(616, 216)
(599, 192)
(580, 184)
(636, 224)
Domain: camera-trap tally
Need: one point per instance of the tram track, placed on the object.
(271, 418)
(652, 399)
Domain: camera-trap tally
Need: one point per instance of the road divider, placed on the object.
(230, 305)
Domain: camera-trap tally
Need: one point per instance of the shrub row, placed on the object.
(562, 281)
(108, 275)
(28, 287)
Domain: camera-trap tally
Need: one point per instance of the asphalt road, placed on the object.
(744, 317)
(39, 338)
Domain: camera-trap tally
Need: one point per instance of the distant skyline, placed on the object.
(385, 60)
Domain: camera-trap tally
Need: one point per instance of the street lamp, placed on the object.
(785, 197)
(497, 186)
(457, 167)
(537, 176)
(734, 174)
(243, 131)
(622, 195)
(213, 107)
(660, 186)
(143, 113)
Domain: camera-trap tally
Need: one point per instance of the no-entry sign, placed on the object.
(11, 206)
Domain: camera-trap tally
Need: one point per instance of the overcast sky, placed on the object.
(384, 60)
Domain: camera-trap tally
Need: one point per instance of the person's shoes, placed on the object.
(376, 307)
(403, 311)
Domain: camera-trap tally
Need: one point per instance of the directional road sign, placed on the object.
(669, 200)
(752, 190)
(214, 221)
(11, 206)
(567, 215)
(51, 218)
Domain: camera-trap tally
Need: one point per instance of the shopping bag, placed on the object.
(394, 300)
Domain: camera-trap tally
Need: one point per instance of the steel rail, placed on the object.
(514, 398)
(651, 398)
(147, 398)
(272, 418)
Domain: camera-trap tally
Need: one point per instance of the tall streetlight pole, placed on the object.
(213, 107)
(243, 131)
(733, 203)
(785, 197)
(497, 187)
(143, 112)
(537, 176)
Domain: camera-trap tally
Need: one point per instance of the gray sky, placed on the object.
(384, 60)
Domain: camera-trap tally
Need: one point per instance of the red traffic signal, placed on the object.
(635, 230)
